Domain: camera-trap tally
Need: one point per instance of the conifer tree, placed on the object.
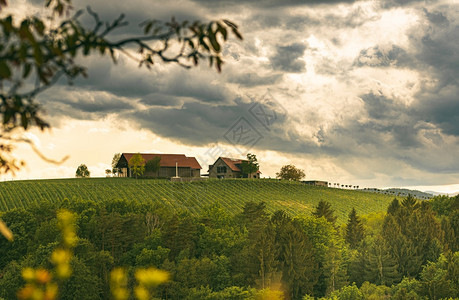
(253, 213)
(335, 267)
(354, 230)
(381, 267)
(401, 247)
(299, 269)
(265, 252)
(410, 203)
(260, 251)
(323, 209)
(357, 265)
(394, 207)
(451, 240)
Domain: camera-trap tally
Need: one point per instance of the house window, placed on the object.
(221, 169)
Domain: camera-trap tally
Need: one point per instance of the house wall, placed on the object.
(123, 173)
(182, 172)
(196, 173)
(122, 165)
(255, 175)
(165, 172)
(229, 173)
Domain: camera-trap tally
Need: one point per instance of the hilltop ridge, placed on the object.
(293, 197)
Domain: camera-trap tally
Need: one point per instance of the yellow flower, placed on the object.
(63, 271)
(6, 231)
(151, 276)
(43, 276)
(66, 218)
(67, 225)
(118, 276)
(26, 292)
(120, 293)
(60, 256)
(118, 283)
(28, 274)
(51, 291)
(37, 294)
(70, 238)
(141, 293)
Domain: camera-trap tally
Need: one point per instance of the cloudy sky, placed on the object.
(353, 92)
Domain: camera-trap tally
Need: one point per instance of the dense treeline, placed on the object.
(410, 252)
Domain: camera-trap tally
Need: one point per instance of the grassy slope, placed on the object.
(294, 198)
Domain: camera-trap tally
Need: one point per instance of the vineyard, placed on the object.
(293, 197)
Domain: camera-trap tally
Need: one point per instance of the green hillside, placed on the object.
(293, 197)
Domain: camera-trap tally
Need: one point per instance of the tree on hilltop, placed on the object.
(250, 165)
(153, 165)
(82, 171)
(290, 172)
(137, 165)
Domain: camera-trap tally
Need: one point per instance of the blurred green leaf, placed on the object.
(26, 72)
(5, 72)
(6, 231)
(213, 40)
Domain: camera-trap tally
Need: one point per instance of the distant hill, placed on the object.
(399, 192)
(438, 193)
(293, 197)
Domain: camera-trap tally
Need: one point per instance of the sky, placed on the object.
(353, 92)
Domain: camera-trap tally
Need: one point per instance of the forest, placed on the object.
(408, 252)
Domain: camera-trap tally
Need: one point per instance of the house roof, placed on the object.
(168, 160)
(233, 162)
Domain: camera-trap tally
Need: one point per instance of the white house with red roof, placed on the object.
(225, 167)
(169, 164)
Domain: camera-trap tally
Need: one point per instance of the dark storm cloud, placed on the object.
(97, 105)
(205, 88)
(379, 107)
(140, 10)
(120, 79)
(441, 108)
(437, 56)
(401, 139)
(269, 3)
(436, 49)
(287, 58)
(199, 124)
(387, 4)
(253, 79)
(437, 18)
(194, 123)
(126, 80)
(434, 54)
(440, 51)
(308, 22)
(158, 99)
(80, 104)
(378, 57)
(135, 12)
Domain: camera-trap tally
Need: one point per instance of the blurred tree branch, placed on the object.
(34, 55)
